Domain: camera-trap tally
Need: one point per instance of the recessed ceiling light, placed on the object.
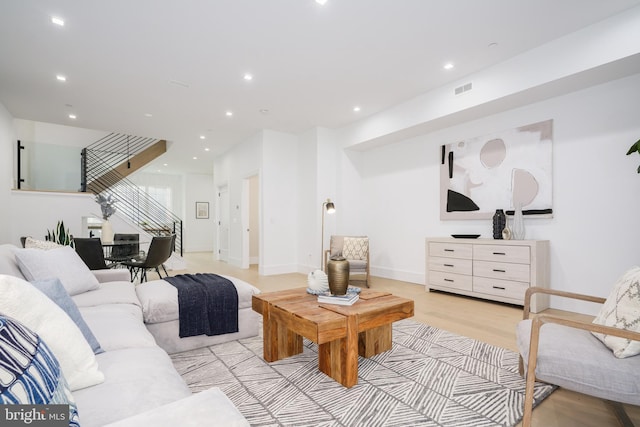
(148, 115)
(57, 21)
(321, 2)
(165, 164)
(195, 158)
(202, 137)
(229, 113)
(356, 108)
(61, 78)
(73, 116)
(448, 66)
(207, 149)
(248, 77)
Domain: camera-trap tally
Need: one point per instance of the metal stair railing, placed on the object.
(99, 177)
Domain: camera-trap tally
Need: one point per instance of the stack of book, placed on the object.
(347, 299)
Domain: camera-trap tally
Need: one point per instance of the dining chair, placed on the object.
(123, 251)
(160, 250)
(91, 252)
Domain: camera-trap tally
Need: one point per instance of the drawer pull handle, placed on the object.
(448, 280)
(449, 265)
(449, 250)
(497, 270)
(499, 253)
(499, 287)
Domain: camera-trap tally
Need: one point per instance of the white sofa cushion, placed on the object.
(209, 407)
(159, 298)
(137, 380)
(53, 289)
(62, 263)
(8, 264)
(118, 326)
(20, 300)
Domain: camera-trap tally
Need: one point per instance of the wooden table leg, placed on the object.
(375, 341)
(339, 358)
(278, 342)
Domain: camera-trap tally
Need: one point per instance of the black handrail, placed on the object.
(99, 176)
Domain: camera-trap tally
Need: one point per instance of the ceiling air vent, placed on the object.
(464, 88)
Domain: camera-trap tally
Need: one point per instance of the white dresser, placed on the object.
(499, 270)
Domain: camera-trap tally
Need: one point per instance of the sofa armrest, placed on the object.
(210, 407)
(112, 275)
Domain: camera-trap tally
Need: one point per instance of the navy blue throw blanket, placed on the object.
(207, 304)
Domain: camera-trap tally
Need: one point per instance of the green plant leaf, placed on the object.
(634, 147)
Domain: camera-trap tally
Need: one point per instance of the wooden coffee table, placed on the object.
(341, 332)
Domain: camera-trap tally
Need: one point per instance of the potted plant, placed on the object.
(60, 235)
(107, 207)
(635, 148)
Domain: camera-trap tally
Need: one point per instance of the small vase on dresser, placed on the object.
(499, 223)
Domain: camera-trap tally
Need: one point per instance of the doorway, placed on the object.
(223, 224)
(250, 221)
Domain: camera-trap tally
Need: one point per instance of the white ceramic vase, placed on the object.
(107, 232)
(517, 231)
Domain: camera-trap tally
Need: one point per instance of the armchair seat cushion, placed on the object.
(576, 360)
(357, 265)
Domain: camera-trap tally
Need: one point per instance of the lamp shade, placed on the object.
(330, 207)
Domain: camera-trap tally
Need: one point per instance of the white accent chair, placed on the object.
(356, 250)
(566, 353)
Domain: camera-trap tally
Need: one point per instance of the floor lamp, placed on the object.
(327, 207)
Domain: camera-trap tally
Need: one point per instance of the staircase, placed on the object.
(105, 166)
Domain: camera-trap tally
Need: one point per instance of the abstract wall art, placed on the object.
(499, 171)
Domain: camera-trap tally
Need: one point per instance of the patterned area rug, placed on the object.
(429, 378)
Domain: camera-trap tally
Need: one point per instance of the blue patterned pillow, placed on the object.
(29, 371)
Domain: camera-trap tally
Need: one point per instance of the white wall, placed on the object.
(199, 233)
(7, 160)
(594, 233)
(242, 162)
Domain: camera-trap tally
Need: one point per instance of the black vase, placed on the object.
(499, 222)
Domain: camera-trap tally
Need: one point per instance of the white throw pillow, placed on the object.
(20, 300)
(622, 310)
(31, 243)
(62, 263)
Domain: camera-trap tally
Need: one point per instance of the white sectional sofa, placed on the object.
(140, 386)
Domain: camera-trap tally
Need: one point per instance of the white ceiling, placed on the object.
(311, 64)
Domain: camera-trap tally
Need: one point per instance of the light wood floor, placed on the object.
(486, 321)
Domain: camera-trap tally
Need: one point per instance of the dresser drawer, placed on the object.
(501, 288)
(451, 250)
(450, 280)
(502, 270)
(451, 265)
(500, 253)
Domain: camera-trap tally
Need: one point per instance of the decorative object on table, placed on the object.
(346, 299)
(499, 223)
(635, 148)
(338, 273)
(350, 290)
(506, 233)
(202, 210)
(481, 174)
(107, 207)
(518, 231)
(330, 208)
(317, 281)
(60, 235)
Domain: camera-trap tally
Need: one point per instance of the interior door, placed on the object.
(223, 224)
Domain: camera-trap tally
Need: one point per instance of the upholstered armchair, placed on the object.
(564, 351)
(356, 250)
